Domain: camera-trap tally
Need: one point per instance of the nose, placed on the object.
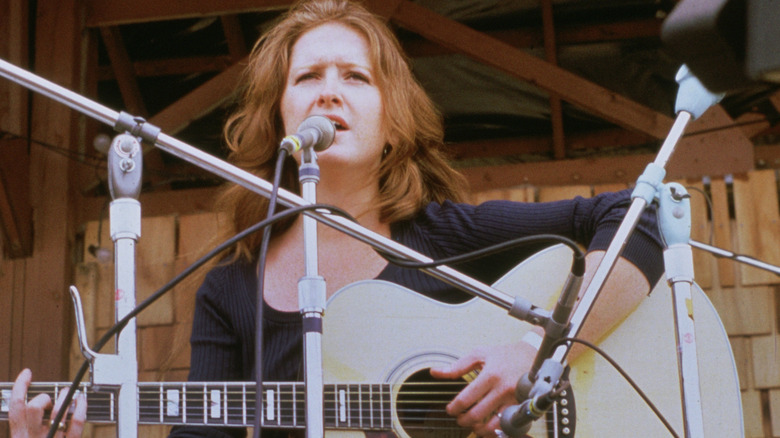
(330, 93)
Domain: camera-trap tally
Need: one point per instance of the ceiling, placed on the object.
(522, 85)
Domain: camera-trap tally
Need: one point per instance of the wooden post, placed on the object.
(46, 313)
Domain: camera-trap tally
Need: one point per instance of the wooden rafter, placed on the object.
(550, 54)
(199, 101)
(235, 38)
(114, 12)
(123, 70)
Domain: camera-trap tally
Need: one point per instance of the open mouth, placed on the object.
(340, 124)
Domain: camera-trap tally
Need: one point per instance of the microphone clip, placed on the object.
(538, 397)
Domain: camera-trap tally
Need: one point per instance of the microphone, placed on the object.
(315, 132)
(517, 420)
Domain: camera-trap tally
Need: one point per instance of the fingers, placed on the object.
(16, 406)
(460, 367)
(475, 405)
(72, 424)
(75, 424)
(35, 410)
(79, 417)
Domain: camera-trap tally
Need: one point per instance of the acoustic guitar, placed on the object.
(380, 340)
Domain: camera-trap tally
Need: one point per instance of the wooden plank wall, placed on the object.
(743, 218)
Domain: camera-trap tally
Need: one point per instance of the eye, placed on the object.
(305, 76)
(358, 76)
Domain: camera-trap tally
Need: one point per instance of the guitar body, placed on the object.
(379, 332)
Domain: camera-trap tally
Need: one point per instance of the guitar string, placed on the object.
(195, 397)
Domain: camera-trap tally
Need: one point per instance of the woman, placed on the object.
(386, 168)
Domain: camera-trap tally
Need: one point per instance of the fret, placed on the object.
(203, 402)
(164, 407)
(225, 407)
(184, 403)
(370, 404)
(295, 405)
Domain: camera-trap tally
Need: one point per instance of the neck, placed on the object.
(357, 195)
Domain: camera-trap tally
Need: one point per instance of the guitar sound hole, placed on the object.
(421, 406)
(422, 401)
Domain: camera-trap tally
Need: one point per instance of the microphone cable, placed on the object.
(579, 255)
(260, 300)
(625, 376)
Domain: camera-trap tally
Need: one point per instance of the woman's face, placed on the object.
(331, 75)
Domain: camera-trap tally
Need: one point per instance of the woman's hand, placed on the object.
(27, 418)
(493, 390)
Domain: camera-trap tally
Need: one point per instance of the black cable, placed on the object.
(260, 287)
(710, 209)
(625, 375)
(578, 265)
(120, 325)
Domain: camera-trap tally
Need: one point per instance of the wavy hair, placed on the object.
(414, 170)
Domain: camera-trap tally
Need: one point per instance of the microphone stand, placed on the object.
(311, 298)
(674, 223)
(120, 369)
(719, 252)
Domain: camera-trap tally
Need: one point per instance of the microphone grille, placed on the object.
(326, 128)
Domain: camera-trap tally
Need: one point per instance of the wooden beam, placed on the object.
(715, 154)
(15, 209)
(550, 54)
(235, 38)
(123, 71)
(46, 306)
(194, 105)
(168, 67)
(494, 148)
(533, 37)
(572, 88)
(200, 101)
(114, 12)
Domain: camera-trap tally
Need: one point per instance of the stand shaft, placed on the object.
(312, 295)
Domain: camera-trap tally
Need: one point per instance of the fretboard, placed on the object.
(346, 406)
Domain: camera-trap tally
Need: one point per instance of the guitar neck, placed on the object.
(346, 406)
